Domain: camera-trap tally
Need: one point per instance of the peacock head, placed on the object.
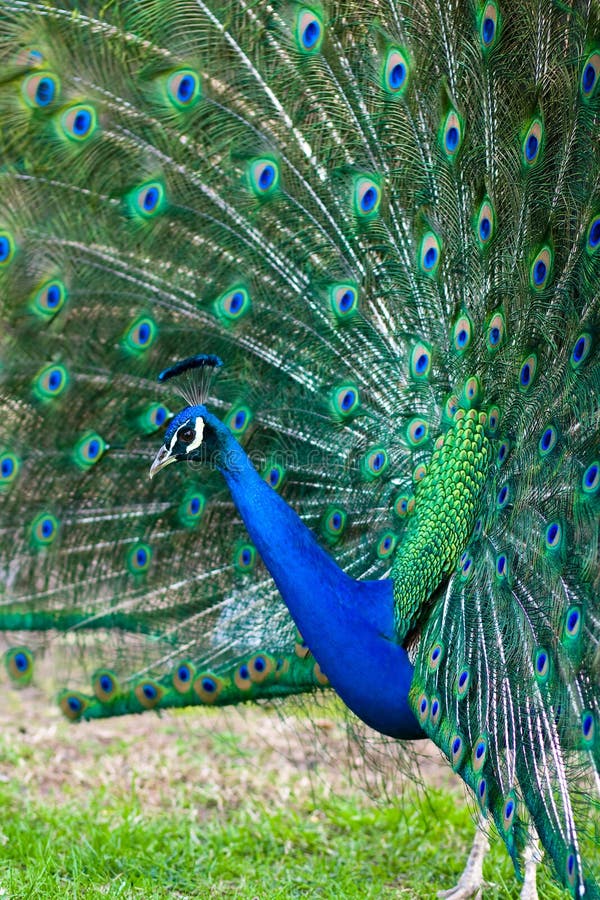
(194, 434)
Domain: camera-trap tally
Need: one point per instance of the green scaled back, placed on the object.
(384, 224)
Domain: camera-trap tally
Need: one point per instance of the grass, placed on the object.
(219, 806)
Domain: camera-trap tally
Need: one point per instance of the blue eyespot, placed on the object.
(45, 92)
(488, 30)
(548, 440)
(140, 335)
(266, 177)
(452, 136)
(147, 200)
(40, 90)
(539, 272)
(397, 76)
(581, 350)
(263, 175)
(587, 727)
(501, 565)
(589, 76)
(573, 622)
(430, 257)
(591, 478)
(79, 122)
(508, 812)
(7, 247)
(593, 235)
(429, 253)
(51, 382)
(588, 79)
(245, 557)
(21, 662)
(183, 88)
(532, 142)
(139, 558)
(309, 30)
(527, 373)
(553, 534)
(485, 229)
(367, 196)
(502, 496)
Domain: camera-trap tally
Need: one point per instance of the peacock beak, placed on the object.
(163, 458)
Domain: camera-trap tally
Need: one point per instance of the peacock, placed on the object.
(341, 260)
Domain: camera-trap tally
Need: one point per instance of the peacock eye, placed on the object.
(186, 435)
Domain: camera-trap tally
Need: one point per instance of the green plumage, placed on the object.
(385, 218)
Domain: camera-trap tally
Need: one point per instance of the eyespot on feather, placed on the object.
(239, 419)
(344, 401)
(140, 335)
(105, 685)
(429, 253)
(452, 135)
(374, 463)
(395, 71)
(73, 705)
(44, 529)
(495, 333)
(19, 665)
(367, 197)
(51, 382)
(7, 248)
(593, 235)
(462, 333)
(183, 88)
(532, 143)
(139, 558)
(183, 676)
(485, 225)
(489, 26)
(147, 200)
(244, 557)
(344, 300)
(309, 30)
(263, 177)
(78, 123)
(527, 372)
(149, 693)
(41, 89)
(541, 268)
(386, 545)
(89, 449)
(207, 687)
(589, 76)
(191, 508)
(10, 466)
(420, 361)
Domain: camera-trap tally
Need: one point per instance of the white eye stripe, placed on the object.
(199, 429)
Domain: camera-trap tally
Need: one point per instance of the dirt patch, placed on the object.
(212, 758)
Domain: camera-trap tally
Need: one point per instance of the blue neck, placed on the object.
(348, 625)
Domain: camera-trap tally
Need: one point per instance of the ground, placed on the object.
(223, 804)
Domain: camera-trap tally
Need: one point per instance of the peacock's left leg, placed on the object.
(531, 860)
(471, 880)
